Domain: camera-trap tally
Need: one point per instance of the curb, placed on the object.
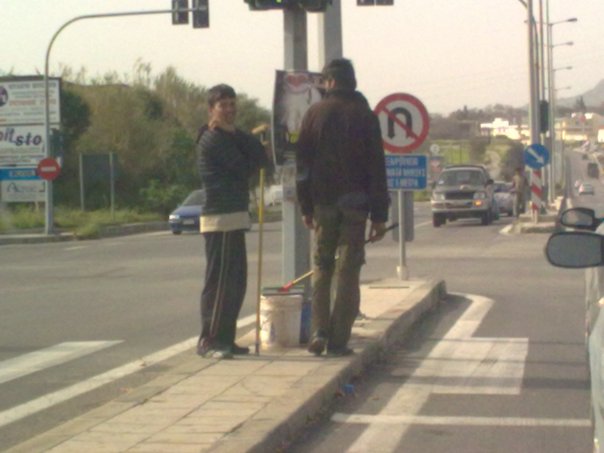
(280, 422)
(107, 231)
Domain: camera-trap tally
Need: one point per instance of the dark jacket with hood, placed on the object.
(340, 158)
(225, 162)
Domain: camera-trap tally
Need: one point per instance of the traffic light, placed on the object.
(365, 2)
(268, 4)
(384, 2)
(543, 116)
(201, 14)
(180, 17)
(315, 6)
(308, 5)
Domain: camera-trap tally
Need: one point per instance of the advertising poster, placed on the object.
(295, 92)
(22, 100)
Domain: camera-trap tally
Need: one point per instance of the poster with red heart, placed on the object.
(295, 92)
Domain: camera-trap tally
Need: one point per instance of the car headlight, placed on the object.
(480, 195)
(437, 196)
(174, 217)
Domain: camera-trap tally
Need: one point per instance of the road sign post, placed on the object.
(536, 156)
(404, 123)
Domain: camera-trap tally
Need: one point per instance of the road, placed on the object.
(502, 367)
(112, 309)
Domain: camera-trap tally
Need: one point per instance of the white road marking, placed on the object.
(44, 358)
(50, 399)
(459, 363)
(462, 421)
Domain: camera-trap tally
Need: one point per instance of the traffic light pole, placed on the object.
(49, 216)
(295, 236)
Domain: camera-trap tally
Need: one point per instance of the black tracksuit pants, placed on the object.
(225, 285)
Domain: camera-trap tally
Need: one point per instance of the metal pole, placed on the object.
(402, 270)
(49, 221)
(330, 33)
(295, 236)
(112, 184)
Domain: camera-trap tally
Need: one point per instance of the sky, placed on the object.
(447, 53)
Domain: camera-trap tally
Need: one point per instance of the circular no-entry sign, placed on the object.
(404, 122)
(48, 169)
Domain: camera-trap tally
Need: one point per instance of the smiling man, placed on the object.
(227, 158)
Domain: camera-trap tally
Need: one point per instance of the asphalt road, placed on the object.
(109, 307)
(502, 367)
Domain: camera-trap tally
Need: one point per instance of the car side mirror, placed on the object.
(575, 249)
(580, 218)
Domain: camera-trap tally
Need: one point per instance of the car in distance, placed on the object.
(504, 196)
(585, 249)
(586, 188)
(593, 171)
(186, 216)
(463, 191)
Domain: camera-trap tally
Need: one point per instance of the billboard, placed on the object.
(22, 100)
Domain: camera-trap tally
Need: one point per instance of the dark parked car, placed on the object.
(463, 191)
(186, 216)
(593, 171)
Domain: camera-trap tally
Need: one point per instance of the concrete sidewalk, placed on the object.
(249, 404)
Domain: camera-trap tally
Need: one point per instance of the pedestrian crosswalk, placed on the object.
(54, 355)
(63, 353)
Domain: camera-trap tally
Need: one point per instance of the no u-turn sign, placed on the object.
(404, 122)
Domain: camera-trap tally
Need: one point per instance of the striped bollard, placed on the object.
(536, 192)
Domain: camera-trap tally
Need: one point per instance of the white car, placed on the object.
(586, 189)
(585, 249)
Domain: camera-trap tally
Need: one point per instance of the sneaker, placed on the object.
(339, 352)
(239, 350)
(218, 354)
(317, 344)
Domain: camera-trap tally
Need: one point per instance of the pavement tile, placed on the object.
(99, 443)
(288, 368)
(157, 447)
(177, 438)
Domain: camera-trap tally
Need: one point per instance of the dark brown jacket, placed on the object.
(339, 156)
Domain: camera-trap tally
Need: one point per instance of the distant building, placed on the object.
(580, 127)
(501, 127)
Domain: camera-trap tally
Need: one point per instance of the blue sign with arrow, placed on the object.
(536, 156)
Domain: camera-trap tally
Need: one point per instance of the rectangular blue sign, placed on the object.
(18, 173)
(407, 171)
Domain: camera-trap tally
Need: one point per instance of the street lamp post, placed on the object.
(551, 142)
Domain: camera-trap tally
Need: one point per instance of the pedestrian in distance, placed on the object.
(227, 157)
(340, 183)
(518, 187)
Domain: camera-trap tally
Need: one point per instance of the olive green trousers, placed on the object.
(338, 232)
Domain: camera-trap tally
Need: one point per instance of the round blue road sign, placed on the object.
(536, 156)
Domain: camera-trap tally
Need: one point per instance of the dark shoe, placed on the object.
(239, 350)
(203, 346)
(339, 352)
(317, 344)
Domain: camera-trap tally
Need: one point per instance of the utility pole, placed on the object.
(295, 235)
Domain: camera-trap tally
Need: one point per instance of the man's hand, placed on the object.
(308, 221)
(377, 231)
(218, 124)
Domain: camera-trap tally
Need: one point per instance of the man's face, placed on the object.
(224, 111)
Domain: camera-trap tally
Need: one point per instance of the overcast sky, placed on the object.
(447, 53)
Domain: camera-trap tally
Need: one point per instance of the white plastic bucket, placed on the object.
(280, 318)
